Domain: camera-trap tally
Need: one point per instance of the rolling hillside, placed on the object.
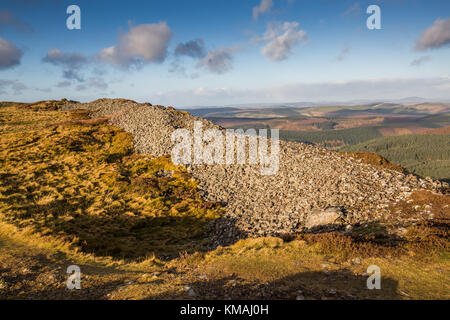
(73, 191)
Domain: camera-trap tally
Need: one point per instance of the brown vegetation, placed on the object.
(444, 130)
(375, 160)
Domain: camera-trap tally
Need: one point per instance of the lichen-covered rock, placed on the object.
(328, 217)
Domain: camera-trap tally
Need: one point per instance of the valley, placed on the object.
(423, 127)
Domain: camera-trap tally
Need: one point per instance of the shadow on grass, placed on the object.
(341, 285)
(138, 237)
(122, 234)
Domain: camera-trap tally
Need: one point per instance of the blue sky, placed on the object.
(214, 52)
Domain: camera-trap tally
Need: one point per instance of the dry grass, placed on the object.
(78, 179)
(375, 160)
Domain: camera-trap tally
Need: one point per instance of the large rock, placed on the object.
(327, 217)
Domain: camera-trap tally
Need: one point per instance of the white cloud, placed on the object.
(217, 61)
(436, 36)
(70, 62)
(142, 44)
(10, 55)
(263, 7)
(281, 40)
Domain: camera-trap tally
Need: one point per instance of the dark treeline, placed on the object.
(332, 138)
(425, 155)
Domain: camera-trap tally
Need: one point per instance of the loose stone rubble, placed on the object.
(312, 187)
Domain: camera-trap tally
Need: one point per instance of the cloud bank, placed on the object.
(392, 88)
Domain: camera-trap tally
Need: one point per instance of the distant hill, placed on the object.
(445, 130)
(288, 111)
(420, 109)
(332, 138)
(202, 112)
(337, 126)
(307, 104)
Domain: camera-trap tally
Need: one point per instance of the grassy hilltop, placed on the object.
(72, 191)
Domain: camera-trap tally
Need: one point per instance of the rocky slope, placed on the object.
(312, 187)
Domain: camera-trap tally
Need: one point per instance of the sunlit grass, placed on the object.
(79, 180)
